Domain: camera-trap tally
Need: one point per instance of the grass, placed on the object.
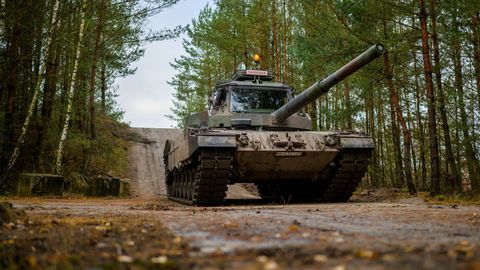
(452, 199)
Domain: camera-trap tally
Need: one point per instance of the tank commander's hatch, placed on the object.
(253, 74)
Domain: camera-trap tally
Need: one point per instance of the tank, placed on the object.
(255, 131)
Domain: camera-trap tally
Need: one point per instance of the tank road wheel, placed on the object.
(182, 185)
(175, 184)
(203, 181)
(352, 168)
(183, 194)
(168, 183)
(191, 183)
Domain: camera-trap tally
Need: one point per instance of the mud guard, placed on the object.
(217, 141)
(356, 143)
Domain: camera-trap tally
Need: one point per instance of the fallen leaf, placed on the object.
(256, 239)
(230, 224)
(32, 261)
(262, 259)
(130, 243)
(320, 258)
(102, 228)
(463, 243)
(462, 250)
(101, 245)
(270, 265)
(160, 259)
(124, 259)
(365, 254)
(389, 258)
(177, 240)
(339, 240)
(292, 228)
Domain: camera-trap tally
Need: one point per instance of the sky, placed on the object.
(145, 96)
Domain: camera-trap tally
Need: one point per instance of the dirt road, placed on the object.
(406, 234)
(402, 233)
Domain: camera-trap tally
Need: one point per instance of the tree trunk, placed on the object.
(49, 90)
(33, 103)
(421, 180)
(441, 100)
(472, 161)
(348, 106)
(103, 88)
(13, 32)
(93, 73)
(432, 122)
(284, 47)
(476, 50)
(407, 137)
(275, 41)
(397, 152)
(58, 163)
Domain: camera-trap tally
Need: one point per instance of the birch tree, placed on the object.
(33, 103)
(63, 136)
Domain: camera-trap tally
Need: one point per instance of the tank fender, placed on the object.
(357, 142)
(216, 141)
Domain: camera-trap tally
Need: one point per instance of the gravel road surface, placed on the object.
(365, 233)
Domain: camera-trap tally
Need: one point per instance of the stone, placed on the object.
(108, 186)
(34, 184)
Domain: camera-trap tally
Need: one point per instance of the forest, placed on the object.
(420, 101)
(58, 64)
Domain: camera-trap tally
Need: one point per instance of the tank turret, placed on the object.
(323, 86)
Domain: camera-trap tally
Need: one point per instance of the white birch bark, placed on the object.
(33, 103)
(58, 163)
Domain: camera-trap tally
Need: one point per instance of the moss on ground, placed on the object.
(452, 199)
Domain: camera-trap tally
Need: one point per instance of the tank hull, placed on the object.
(274, 160)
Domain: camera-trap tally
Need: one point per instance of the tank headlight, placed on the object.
(257, 58)
(330, 140)
(243, 139)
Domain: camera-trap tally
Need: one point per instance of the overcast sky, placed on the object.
(145, 96)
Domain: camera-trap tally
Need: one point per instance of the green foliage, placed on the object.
(114, 35)
(106, 155)
(305, 40)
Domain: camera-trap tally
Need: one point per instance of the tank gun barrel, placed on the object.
(322, 87)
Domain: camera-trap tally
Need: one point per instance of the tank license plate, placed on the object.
(288, 154)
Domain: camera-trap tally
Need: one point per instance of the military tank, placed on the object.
(255, 131)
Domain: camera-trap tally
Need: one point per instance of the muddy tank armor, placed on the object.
(256, 132)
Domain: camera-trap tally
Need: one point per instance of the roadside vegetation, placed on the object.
(58, 64)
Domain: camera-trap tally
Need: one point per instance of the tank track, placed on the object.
(338, 187)
(352, 167)
(203, 179)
